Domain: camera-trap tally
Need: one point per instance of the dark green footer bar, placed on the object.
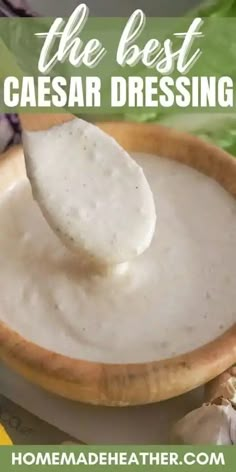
(102, 458)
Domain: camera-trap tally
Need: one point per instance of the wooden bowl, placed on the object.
(127, 384)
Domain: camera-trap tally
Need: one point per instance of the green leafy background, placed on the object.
(217, 128)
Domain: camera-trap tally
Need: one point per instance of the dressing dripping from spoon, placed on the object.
(91, 192)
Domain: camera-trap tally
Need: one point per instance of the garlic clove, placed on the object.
(233, 428)
(210, 424)
(222, 387)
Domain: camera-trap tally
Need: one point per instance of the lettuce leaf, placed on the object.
(215, 8)
(217, 128)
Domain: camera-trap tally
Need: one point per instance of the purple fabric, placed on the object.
(10, 130)
(14, 8)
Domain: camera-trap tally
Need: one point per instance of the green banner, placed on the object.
(102, 458)
(117, 66)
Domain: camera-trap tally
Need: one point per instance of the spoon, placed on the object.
(91, 192)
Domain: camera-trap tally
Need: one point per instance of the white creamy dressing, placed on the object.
(91, 192)
(176, 296)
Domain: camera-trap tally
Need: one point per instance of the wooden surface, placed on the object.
(41, 121)
(127, 384)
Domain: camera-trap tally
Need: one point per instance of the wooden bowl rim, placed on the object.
(138, 383)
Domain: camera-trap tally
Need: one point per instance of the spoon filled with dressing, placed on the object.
(92, 193)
